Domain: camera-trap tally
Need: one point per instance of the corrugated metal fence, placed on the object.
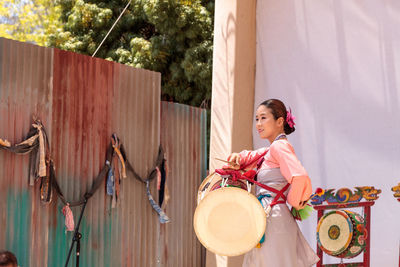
(183, 131)
(81, 102)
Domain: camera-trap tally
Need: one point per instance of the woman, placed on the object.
(277, 167)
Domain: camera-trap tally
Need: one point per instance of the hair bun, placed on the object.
(288, 129)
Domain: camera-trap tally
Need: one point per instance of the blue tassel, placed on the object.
(110, 182)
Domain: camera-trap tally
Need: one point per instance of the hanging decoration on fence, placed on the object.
(4, 143)
(116, 171)
(345, 195)
(36, 143)
(41, 167)
(162, 217)
(396, 190)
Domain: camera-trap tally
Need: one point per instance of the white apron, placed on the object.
(284, 245)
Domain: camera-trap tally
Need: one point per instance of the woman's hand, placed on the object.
(233, 162)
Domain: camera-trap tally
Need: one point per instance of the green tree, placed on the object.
(171, 37)
(29, 20)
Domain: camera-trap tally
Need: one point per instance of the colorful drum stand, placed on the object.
(343, 233)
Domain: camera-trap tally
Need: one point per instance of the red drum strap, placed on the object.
(249, 176)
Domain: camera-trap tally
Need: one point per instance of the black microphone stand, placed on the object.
(77, 236)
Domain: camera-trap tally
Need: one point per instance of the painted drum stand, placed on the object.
(342, 233)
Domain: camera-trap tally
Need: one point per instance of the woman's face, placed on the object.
(267, 126)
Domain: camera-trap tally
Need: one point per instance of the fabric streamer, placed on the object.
(117, 149)
(167, 196)
(110, 182)
(164, 195)
(4, 143)
(69, 218)
(30, 140)
(122, 162)
(117, 178)
(158, 178)
(162, 217)
(42, 153)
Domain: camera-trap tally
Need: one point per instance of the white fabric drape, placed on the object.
(336, 63)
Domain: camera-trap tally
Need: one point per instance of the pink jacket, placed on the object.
(281, 155)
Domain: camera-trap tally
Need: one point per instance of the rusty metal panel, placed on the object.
(81, 101)
(183, 136)
(82, 90)
(96, 99)
(25, 90)
(137, 121)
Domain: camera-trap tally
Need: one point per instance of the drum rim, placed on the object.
(348, 254)
(341, 250)
(237, 253)
(210, 186)
(203, 183)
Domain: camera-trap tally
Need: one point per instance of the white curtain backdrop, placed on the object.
(336, 63)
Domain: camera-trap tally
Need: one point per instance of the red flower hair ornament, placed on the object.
(290, 118)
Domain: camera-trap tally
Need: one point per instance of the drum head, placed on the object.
(229, 221)
(334, 232)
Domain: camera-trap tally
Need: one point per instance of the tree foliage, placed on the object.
(171, 37)
(29, 20)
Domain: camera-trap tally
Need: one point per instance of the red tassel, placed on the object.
(158, 178)
(69, 218)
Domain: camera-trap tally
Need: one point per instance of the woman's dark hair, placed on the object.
(278, 110)
(7, 258)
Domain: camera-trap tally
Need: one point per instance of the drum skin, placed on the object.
(342, 234)
(229, 220)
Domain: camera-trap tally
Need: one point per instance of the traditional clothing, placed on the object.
(284, 245)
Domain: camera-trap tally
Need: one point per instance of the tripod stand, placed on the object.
(77, 237)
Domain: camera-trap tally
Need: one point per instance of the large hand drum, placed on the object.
(342, 233)
(228, 220)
